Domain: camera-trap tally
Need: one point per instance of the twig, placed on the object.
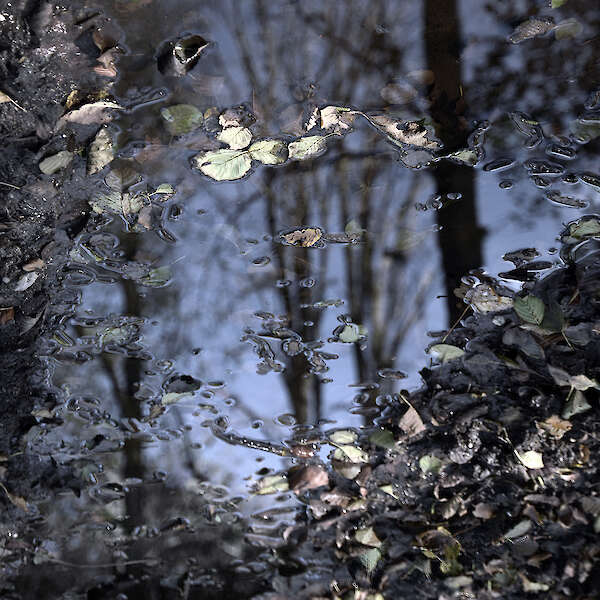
(455, 324)
(16, 187)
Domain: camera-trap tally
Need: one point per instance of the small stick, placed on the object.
(455, 324)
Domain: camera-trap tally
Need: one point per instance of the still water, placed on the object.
(198, 346)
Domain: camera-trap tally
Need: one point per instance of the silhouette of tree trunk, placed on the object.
(460, 236)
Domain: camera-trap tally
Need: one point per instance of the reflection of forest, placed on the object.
(384, 281)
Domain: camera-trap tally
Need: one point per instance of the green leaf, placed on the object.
(351, 454)
(164, 188)
(343, 436)
(383, 438)
(269, 152)
(466, 156)
(307, 147)
(349, 334)
(530, 309)
(531, 459)
(446, 352)
(223, 165)
(272, 484)
(558, 3)
(370, 559)
(585, 228)
(181, 118)
(236, 138)
(430, 464)
(519, 530)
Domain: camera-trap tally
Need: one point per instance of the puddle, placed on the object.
(215, 333)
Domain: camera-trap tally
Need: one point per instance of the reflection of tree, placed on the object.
(460, 235)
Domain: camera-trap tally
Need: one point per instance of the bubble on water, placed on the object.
(570, 178)
(286, 419)
(454, 196)
(541, 182)
(543, 167)
(261, 261)
(421, 207)
(292, 347)
(282, 283)
(505, 184)
(308, 282)
(563, 152)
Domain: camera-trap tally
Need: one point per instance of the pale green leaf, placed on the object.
(237, 138)
(383, 438)
(269, 152)
(370, 559)
(164, 188)
(558, 3)
(351, 454)
(519, 530)
(349, 334)
(272, 484)
(172, 397)
(531, 459)
(367, 537)
(223, 165)
(530, 309)
(585, 228)
(430, 464)
(343, 436)
(577, 404)
(101, 151)
(446, 352)
(307, 147)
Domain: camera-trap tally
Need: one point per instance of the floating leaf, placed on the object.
(367, 537)
(409, 133)
(531, 28)
(370, 559)
(466, 156)
(446, 352)
(181, 118)
(269, 152)
(531, 459)
(348, 453)
(430, 464)
(101, 151)
(272, 484)
(349, 334)
(223, 165)
(519, 530)
(577, 404)
(337, 118)
(485, 299)
(585, 228)
(530, 309)
(56, 162)
(307, 147)
(558, 3)
(172, 397)
(569, 28)
(383, 438)
(237, 138)
(304, 237)
(343, 436)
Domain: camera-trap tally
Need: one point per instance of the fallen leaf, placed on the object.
(337, 119)
(383, 438)
(181, 118)
(348, 453)
(26, 281)
(101, 151)
(367, 537)
(304, 237)
(519, 530)
(531, 459)
(272, 484)
(411, 423)
(307, 147)
(530, 309)
(306, 478)
(370, 559)
(446, 352)
(485, 299)
(343, 436)
(430, 464)
(576, 404)
(237, 138)
(269, 152)
(555, 426)
(409, 133)
(223, 165)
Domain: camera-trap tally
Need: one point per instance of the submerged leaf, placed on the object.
(370, 559)
(223, 165)
(117, 203)
(181, 118)
(269, 152)
(307, 147)
(531, 28)
(383, 438)
(237, 138)
(530, 309)
(101, 151)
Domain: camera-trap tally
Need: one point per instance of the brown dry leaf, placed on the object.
(145, 217)
(18, 501)
(7, 315)
(34, 265)
(411, 423)
(483, 511)
(4, 98)
(107, 63)
(305, 237)
(307, 478)
(555, 426)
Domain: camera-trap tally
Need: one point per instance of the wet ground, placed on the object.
(231, 234)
